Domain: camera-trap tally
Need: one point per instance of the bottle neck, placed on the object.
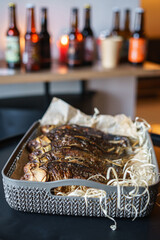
(12, 17)
(139, 23)
(87, 18)
(74, 21)
(116, 21)
(44, 20)
(127, 21)
(30, 21)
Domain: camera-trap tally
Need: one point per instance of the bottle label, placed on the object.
(12, 49)
(137, 50)
(75, 52)
(89, 49)
(32, 53)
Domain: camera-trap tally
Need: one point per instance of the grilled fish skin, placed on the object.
(72, 151)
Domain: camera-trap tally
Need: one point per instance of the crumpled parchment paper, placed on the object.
(60, 112)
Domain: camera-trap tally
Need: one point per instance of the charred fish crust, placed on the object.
(83, 136)
(72, 151)
(63, 170)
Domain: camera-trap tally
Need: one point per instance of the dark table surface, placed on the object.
(27, 226)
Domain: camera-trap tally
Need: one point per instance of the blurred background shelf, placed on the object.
(63, 73)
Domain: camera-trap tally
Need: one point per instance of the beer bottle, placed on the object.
(31, 57)
(12, 40)
(126, 34)
(89, 43)
(44, 41)
(116, 23)
(137, 43)
(75, 48)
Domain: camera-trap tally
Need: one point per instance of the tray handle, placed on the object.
(88, 183)
(78, 182)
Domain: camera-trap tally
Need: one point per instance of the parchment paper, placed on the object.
(59, 112)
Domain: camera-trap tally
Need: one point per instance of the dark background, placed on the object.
(18, 114)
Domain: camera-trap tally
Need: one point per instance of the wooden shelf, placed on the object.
(62, 73)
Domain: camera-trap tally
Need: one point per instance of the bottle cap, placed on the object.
(127, 10)
(116, 9)
(87, 6)
(139, 10)
(75, 9)
(43, 9)
(11, 4)
(30, 5)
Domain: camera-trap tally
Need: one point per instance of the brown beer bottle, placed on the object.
(137, 43)
(116, 23)
(75, 48)
(89, 42)
(31, 57)
(12, 40)
(44, 41)
(126, 34)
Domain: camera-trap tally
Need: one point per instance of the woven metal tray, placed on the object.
(37, 196)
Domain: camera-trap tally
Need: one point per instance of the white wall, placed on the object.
(59, 21)
(115, 95)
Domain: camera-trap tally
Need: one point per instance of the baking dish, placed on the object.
(37, 196)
